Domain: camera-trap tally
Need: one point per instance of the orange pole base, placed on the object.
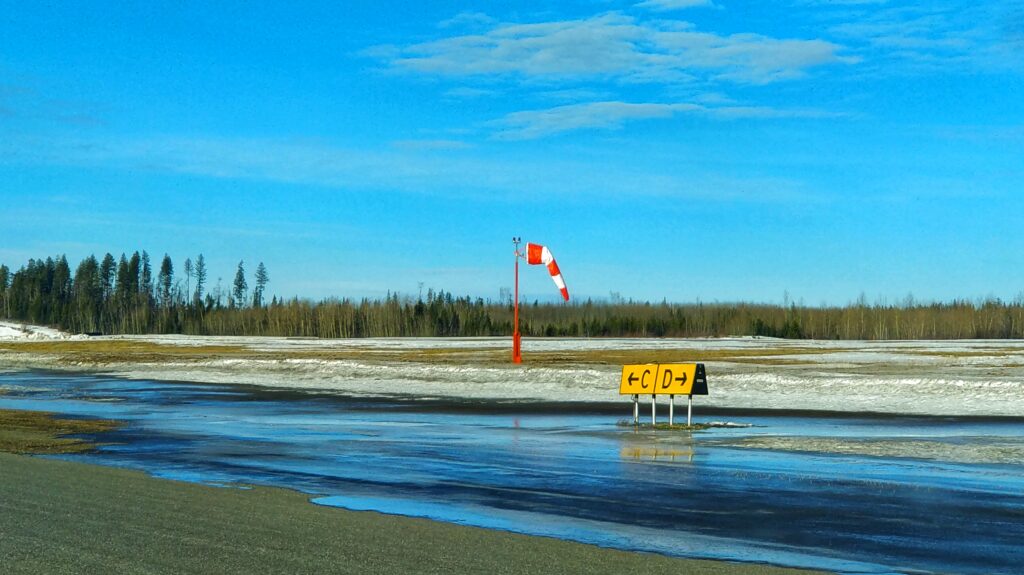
(517, 356)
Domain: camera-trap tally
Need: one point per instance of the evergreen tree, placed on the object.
(5, 280)
(146, 276)
(60, 291)
(87, 297)
(188, 277)
(135, 273)
(200, 277)
(261, 282)
(123, 283)
(240, 286)
(164, 280)
(108, 269)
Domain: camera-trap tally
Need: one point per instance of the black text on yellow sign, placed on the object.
(638, 378)
(664, 379)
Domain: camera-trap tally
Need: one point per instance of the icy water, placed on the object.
(854, 495)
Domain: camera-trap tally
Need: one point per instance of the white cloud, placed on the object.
(467, 20)
(595, 46)
(612, 115)
(614, 46)
(842, 2)
(931, 37)
(607, 115)
(667, 5)
(749, 57)
(465, 92)
(431, 144)
(573, 95)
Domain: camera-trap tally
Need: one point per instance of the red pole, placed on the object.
(516, 356)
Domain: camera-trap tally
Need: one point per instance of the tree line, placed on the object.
(124, 295)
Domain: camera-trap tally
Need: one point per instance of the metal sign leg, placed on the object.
(636, 409)
(654, 404)
(689, 410)
(671, 408)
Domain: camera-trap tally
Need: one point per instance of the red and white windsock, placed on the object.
(537, 254)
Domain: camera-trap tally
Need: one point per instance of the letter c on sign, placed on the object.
(643, 378)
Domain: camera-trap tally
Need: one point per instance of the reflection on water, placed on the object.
(649, 453)
(798, 501)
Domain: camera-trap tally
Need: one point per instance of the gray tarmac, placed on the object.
(63, 517)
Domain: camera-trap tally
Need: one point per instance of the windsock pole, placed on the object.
(516, 355)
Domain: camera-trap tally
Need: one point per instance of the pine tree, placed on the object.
(146, 276)
(87, 294)
(5, 280)
(60, 291)
(240, 286)
(164, 280)
(200, 277)
(108, 269)
(188, 277)
(261, 282)
(123, 283)
(135, 273)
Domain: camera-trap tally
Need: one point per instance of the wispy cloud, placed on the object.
(533, 124)
(465, 93)
(431, 144)
(537, 123)
(467, 20)
(573, 95)
(27, 102)
(667, 5)
(842, 2)
(933, 37)
(614, 46)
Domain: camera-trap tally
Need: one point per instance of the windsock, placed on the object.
(537, 254)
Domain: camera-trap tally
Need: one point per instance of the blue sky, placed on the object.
(676, 149)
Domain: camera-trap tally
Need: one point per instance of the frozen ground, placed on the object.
(979, 378)
(857, 495)
(20, 332)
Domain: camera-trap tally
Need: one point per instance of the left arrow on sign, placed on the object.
(638, 378)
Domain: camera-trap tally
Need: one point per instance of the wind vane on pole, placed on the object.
(535, 254)
(516, 351)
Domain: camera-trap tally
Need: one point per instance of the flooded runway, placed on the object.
(855, 495)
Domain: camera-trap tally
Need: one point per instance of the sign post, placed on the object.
(669, 379)
(517, 356)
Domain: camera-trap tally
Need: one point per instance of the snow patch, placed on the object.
(973, 377)
(10, 331)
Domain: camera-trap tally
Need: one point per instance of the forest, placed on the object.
(127, 295)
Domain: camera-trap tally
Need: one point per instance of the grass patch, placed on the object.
(666, 426)
(118, 351)
(108, 352)
(630, 356)
(994, 352)
(40, 432)
(773, 361)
